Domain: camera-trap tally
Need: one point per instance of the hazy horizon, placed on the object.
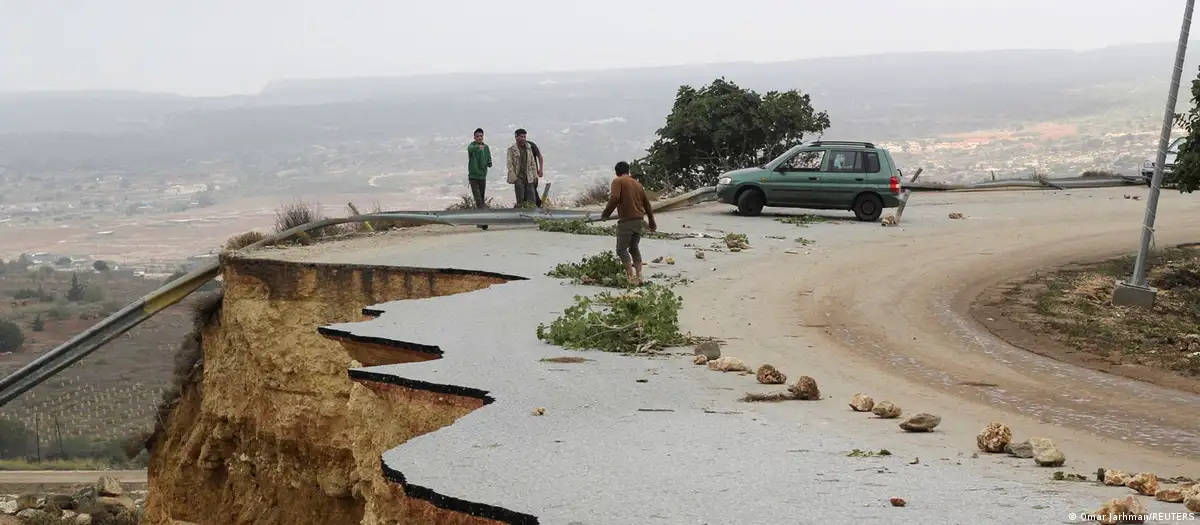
(219, 47)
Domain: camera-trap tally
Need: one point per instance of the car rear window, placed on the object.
(872, 162)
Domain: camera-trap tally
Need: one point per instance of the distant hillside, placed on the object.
(881, 97)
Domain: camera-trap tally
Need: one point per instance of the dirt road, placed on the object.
(67, 477)
(886, 311)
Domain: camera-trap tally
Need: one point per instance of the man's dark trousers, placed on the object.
(478, 188)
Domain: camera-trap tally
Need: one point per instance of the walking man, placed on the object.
(633, 212)
(524, 169)
(479, 159)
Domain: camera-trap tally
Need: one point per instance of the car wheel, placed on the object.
(750, 202)
(868, 207)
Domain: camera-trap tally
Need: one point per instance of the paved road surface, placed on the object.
(864, 309)
(32, 477)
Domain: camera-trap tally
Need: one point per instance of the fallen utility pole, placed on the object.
(1135, 292)
(907, 193)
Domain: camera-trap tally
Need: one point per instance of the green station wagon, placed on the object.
(823, 175)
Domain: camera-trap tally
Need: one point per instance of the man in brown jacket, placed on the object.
(633, 212)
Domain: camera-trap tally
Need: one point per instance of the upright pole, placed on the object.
(1138, 280)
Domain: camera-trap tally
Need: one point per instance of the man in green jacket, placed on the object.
(479, 159)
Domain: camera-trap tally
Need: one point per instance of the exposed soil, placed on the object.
(1067, 315)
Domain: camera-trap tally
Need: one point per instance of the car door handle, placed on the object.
(814, 178)
(858, 178)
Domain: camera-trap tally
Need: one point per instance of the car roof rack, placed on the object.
(842, 143)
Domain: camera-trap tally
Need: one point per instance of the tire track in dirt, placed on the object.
(886, 311)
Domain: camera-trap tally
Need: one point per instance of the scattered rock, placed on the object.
(956, 215)
(709, 349)
(993, 437)
(1021, 450)
(887, 410)
(768, 375)
(1193, 502)
(26, 501)
(1169, 495)
(109, 486)
(1040, 444)
(83, 519)
(32, 515)
(890, 220)
(115, 504)
(657, 260)
(727, 364)
(1118, 510)
(921, 423)
(539, 411)
(1116, 478)
(1144, 483)
(8, 507)
(861, 402)
(60, 501)
(1063, 476)
(700, 360)
(670, 260)
(1050, 458)
(805, 389)
(898, 502)
(699, 254)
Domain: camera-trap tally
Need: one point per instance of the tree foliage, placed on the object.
(75, 292)
(11, 336)
(1186, 176)
(722, 127)
(643, 320)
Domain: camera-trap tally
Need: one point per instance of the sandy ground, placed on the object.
(65, 481)
(885, 311)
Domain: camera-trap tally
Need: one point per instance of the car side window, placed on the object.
(872, 162)
(804, 161)
(845, 162)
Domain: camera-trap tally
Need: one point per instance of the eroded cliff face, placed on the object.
(276, 432)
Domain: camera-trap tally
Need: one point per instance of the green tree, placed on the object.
(1187, 165)
(38, 324)
(11, 337)
(44, 272)
(100, 266)
(721, 127)
(75, 293)
(94, 293)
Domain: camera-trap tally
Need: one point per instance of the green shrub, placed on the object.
(642, 320)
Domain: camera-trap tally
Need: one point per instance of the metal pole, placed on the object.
(1139, 267)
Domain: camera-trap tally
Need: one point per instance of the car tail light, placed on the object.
(894, 184)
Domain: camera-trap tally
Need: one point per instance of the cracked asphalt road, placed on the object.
(864, 309)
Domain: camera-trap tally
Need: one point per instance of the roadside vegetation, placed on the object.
(641, 320)
(721, 127)
(582, 227)
(595, 194)
(801, 220)
(1186, 176)
(1074, 306)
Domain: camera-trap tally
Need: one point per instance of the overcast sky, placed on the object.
(215, 47)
